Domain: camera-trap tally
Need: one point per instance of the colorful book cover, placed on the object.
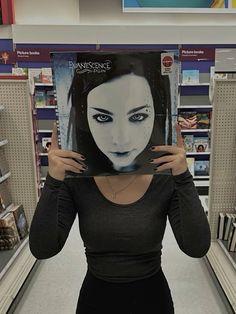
(190, 162)
(201, 144)
(35, 75)
(188, 142)
(20, 219)
(201, 168)
(46, 144)
(113, 106)
(40, 98)
(5, 196)
(203, 120)
(190, 77)
(9, 236)
(187, 119)
(47, 75)
(51, 98)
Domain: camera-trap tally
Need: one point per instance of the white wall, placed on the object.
(49, 12)
(102, 21)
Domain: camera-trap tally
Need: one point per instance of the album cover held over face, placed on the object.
(114, 106)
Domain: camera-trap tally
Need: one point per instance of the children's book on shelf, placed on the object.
(200, 144)
(187, 119)
(35, 75)
(47, 75)
(20, 219)
(20, 71)
(201, 168)
(40, 98)
(231, 245)
(190, 77)
(221, 224)
(46, 144)
(229, 219)
(9, 236)
(5, 196)
(4, 167)
(51, 98)
(203, 120)
(217, 75)
(190, 162)
(188, 142)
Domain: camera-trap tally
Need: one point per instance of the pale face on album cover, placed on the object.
(114, 106)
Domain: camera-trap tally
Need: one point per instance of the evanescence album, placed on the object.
(114, 106)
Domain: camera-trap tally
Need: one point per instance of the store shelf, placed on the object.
(43, 84)
(230, 255)
(224, 270)
(195, 130)
(4, 142)
(8, 257)
(199, 183)
(199, 84)
(196, 153)
(44, 131)
(43, 154)
(201, 177)
(195, 106)
(6, 176)
(47, 107)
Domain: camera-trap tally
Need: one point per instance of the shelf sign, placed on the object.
(32, 55)
(7, 16)
(167, 63)
(197, 54)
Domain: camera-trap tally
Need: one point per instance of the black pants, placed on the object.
(146, 296)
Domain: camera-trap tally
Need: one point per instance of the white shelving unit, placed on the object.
(222, 191)
(16, 126)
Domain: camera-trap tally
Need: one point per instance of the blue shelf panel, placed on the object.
(194, 90)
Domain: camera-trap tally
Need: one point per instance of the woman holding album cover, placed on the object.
(122, 218)
(117, 114)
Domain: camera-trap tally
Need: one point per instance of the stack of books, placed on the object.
(227, 230)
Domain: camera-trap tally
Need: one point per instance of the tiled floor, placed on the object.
(56, 284)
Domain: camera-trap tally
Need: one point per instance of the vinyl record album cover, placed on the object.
(114, 106)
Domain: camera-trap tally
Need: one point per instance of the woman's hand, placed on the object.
(60, 160)
(177, 160)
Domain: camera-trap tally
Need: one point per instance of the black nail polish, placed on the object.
(151, 160)
(84, 167)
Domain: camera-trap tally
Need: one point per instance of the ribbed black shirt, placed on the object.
(122, 242)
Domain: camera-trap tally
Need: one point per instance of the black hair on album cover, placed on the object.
(114, 106)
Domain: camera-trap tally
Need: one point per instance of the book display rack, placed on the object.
(43, 100)
(16, 128)
(222, 192)
(194, 115)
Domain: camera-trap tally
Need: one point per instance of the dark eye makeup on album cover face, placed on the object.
(121, 117)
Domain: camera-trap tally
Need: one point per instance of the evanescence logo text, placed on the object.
(90, 67)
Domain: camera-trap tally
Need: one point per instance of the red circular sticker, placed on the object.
(167, 61)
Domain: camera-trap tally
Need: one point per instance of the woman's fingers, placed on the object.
(180, 140)
(68, 154)
(163, 159)
(69, 164)
(54, 138)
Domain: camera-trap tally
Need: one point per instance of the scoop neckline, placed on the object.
(124, 205)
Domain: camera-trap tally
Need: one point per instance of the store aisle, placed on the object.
(55, 286)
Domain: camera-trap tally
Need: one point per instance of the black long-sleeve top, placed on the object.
(122, 242)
